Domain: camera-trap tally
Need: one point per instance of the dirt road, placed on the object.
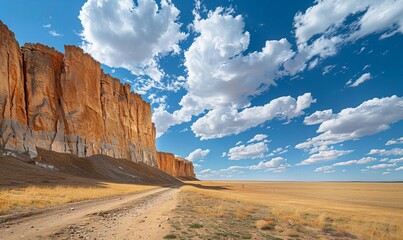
(137, 216)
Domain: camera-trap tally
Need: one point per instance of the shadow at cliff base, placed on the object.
(216, 187)
(51, 169)
(30, 188)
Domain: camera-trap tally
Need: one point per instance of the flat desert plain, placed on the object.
(291, 210)
(204, 210)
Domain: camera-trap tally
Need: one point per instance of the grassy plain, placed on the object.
(25, 186)
(365, 210)
(34, 197)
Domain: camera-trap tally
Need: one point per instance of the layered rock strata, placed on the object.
(175, 166)
(66, 103)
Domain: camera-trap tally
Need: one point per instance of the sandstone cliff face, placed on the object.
(42, 69)
(184, 168)
(12, 93)
(66, 103)
(175, 166)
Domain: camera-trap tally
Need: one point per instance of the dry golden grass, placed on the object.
(220, 219)
(220, 209)
(12, 199)
(265, 225)
(368, 210)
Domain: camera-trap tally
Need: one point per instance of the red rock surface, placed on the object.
(175, 166)
(66, 103)
(12, 93)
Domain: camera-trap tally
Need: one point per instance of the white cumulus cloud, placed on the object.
(133, 36)
(198, 154)
(218, 69)
(382, 165)
(323, 28)
(224, 172)
(384, 152)
(277, 164)
(222, 75)
(324, 168)
(324, 156)
(318, 117)
(251, 151)
(396, 160)
(221, 122)
(258, 138)
(395, 141)
(370, 117)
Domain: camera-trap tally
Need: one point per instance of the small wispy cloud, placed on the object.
(364, 77)
(184, 130)
(51, 31)
(55, 34)
(328, 69)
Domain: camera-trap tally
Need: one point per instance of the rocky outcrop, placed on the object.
(175, 166)
(66, 103)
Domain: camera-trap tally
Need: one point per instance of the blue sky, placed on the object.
(280, 90)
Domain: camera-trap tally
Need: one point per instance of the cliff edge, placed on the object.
(66, 103)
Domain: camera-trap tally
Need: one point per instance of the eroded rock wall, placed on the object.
(13, 113)
(42, 70)
(175, 166)
(185, 168)
(66, 103)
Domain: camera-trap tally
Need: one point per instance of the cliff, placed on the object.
(175, 166)
(66, 103)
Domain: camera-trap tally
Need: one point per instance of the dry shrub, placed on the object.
(211, 212)
(265, 225)
(241, 214)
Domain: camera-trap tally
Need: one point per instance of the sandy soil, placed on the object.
(143, 215)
